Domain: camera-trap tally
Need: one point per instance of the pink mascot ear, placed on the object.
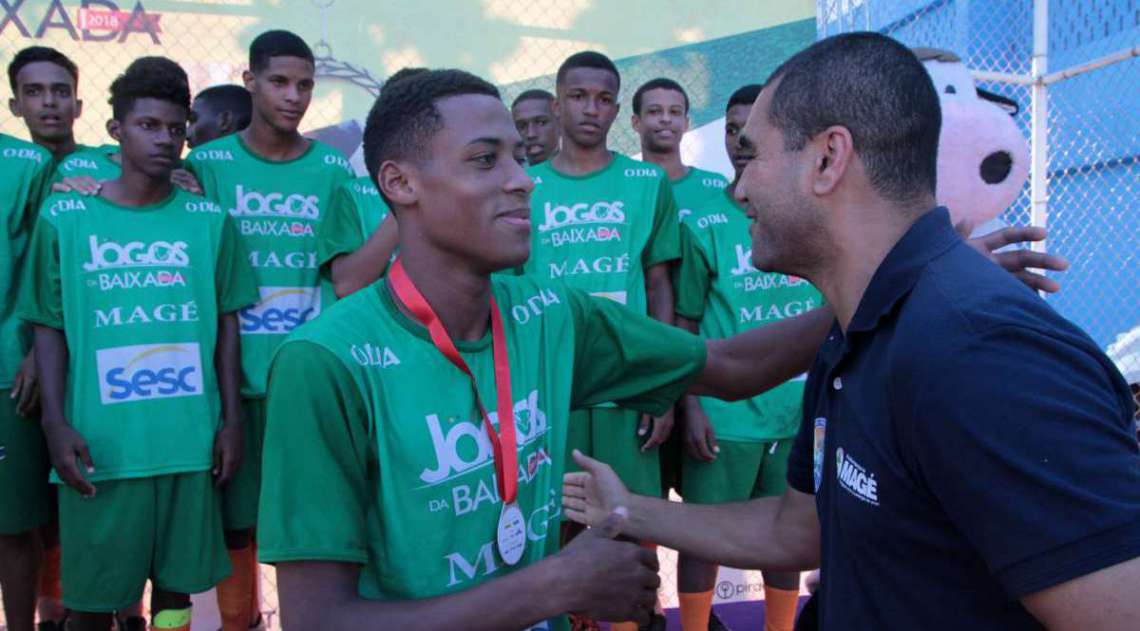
(983, 160)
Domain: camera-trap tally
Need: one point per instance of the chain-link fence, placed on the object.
(1072, 65)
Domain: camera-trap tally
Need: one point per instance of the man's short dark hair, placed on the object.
(745, 95)
(405, 117)
(404, 73)
(532, 95)
(231, 98)
(876, 88)
(149, 78)
(33, 54)
(660, 83)
(586, 59)
(277, 43)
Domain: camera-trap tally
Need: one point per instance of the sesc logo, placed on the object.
(111, 255)
(294, 206)
(281, 310)
(149, 371)
(557, 216)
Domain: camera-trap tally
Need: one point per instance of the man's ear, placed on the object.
(78, 108)
(834, 151)
(398, 183)
(247, 79)
(635, 120)
(14, 107)
(226, 122)
(113, 129)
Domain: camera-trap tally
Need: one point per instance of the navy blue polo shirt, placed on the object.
(967, 446)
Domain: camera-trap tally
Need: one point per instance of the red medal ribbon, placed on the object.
(504, 444)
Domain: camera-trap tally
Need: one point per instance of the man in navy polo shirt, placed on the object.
(969, 451)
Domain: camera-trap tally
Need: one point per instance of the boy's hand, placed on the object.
(227, 452)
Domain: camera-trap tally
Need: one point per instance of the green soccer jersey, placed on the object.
(100, 163)
(278, 207)
(717, 285)
(24, 171)
(600, 232)
(356, 211)
(694, 187)
(137, 293)
(375, 453)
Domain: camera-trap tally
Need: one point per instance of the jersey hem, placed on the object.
(1073, 560)
(311, 554)
(136, 474)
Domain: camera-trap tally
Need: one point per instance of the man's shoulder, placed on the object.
(960, 298)
(220, 151)
(14, 151)
(59, 207)
(709, 179)
(330, 157)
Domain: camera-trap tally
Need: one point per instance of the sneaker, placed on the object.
(716, 625)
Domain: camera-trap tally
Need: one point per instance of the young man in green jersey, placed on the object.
(387, 500)
(218, 111)
(357, 238)
(25, 496)
(45, 94)
(133, 295)
(608, 225)
(734, 450)
(661, 118)
(533, 112)
(278, 186)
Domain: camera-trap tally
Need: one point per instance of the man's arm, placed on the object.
(227, 364)
(771, 533)
(1065, 607)
(65, 445)
(595, 575)
(354, 271)
(756, 361)
(659, 291)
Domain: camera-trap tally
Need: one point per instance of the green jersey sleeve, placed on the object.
(314, 489)
(665, 240)
(234, 277)
(339, 232)
(41, 293)
(629, 358)
(692, 277)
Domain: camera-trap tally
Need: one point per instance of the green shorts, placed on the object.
(26, 496)
(613, 439)
(239, 497)
(166, 528)
(740, 472)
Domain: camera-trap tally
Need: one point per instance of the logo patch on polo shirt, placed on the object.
(817, 451)
(855, 479)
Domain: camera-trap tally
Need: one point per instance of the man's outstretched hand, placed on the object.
(591, 495)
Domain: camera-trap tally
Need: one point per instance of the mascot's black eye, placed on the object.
(951, 90)
(996, 167)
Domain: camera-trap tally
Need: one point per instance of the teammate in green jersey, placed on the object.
(719, 294)
(533, 111)
(45, 94)
(661, 118)
(278, 186)
(218, 111)
(133, 295)
(606, 224)
(25, 497)
(357, 238)
(380, 505)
